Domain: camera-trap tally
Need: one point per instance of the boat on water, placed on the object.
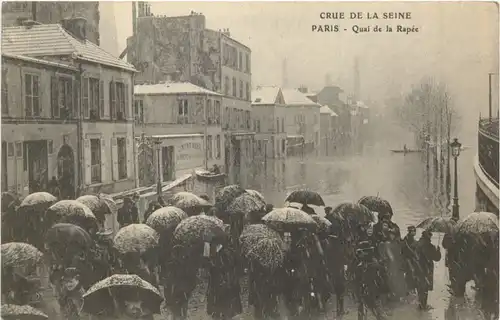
(208, 175)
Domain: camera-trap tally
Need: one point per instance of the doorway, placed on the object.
(36, 165)
(168, 163)
(66, 171)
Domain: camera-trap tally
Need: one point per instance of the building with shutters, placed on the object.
(101, 96)
(268, 119)
(186, 120)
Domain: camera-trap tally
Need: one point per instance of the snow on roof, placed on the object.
(361, 104)
(53, 40)
(40, 61)
(327, 110)
(171, 88)
(295, 97)
(265, 95)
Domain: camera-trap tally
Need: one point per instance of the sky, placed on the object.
(457, 44)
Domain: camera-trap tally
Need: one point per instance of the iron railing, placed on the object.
(488, 148)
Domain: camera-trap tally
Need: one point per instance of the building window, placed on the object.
(122, 157)
(240, 66)
(118, 100)
(94, 96)
(247, 120)
(247, 64)
(183, 115)
(282, 124)
(210, 112)
(217, 146)
(217, 112)
(234, 87)
(227, 118)
(241, 89)
(226, 86)
(247, 85)
(209, 147)
(95, 160)
(62, 98)
(139, 111)
(5, 96)
(32, 95)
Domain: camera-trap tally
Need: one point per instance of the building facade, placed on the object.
(183, 49)
(268, 118)
(186, 121)
(302, 120)
(102, 93)
(49, 12)
(328, 129)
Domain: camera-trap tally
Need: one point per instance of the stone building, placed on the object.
(183, 49)
(49, 12)
(97, 98)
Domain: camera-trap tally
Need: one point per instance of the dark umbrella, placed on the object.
(198, 229)
(478, 223)
(66, 235)
(289, 219)
(245, 204)
(438, 224)
(376, 204)
(226, 195)
(350, 215)
(104, 292)
(15, 312)
(305, 197)
(166, 219)
(72, 211)
(136, 238)
(20, 253)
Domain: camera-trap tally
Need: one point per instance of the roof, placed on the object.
(327, 110)
(53, 40)
(177, 136)
(40, 61)
(265, 95)
(361, 104)
(171, 88)
(295, 97)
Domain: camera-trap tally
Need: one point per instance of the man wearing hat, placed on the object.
(410, 257)
(427, 254)
(128, 213)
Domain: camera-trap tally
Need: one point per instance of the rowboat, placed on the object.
(207, 175)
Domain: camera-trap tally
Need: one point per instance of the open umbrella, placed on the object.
(198, 229)
(189, 202)
(324, 225)
(245, 204)
(226, 195)
(136, 238)
(38, 198)
(99, 207)
(267, 251)
(253, 233)
(15, 312)
(19, 253)
(478, 223)
(65, 239)
(256, 194)
(72, 211)
(166, 219)
(104, 292)
(350, 214)
(305, 197)
(289, 219)
(438, 224)
(377, 204)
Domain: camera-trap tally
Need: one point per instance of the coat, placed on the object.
(128, 214)
(264, 292)
(427, 254)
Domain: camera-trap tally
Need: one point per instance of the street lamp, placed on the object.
(158, 177)
(455, 152)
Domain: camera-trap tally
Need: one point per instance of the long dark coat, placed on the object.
(264, 290)
(223, 294)
(427, 254)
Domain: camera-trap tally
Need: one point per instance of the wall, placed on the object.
(311, 117)
(53, 12)
(187, 156)
(235, 113)
(16, 128)
(266, 116)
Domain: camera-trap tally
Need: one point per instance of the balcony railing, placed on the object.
(488, 148)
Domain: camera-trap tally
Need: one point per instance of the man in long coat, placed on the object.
(427, 254)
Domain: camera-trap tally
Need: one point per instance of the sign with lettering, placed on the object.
(189, 154)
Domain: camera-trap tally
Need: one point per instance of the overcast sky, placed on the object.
(457, 44)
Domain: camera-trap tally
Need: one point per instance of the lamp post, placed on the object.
(455, 152)
(158, 169)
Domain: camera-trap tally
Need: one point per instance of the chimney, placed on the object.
(77, 27)
(303, 89)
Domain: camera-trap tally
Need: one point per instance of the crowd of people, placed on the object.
(365, 257)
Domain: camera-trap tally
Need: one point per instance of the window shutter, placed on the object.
(104, 161)
(112, 109)
(87, 161)
(76, 100)
(101, 100)
(114, 158)
(85, 98)
(54, 90)
(130, 159)
(126, 110)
